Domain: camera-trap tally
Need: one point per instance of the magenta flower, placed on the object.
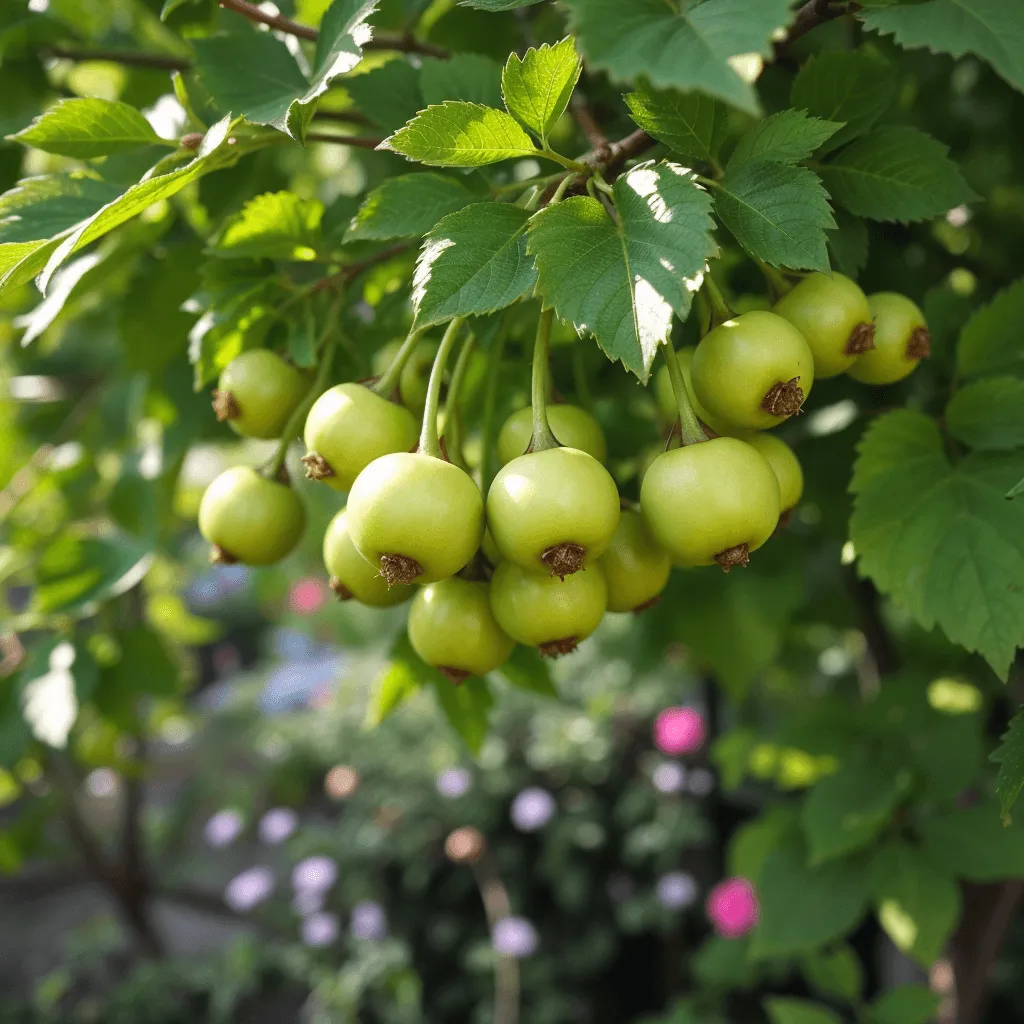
(306, 596)
(679, 731)
(732, 907)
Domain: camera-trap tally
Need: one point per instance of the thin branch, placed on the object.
(810, 16)
(356, 141)
(584, 116)
(156, 61)
(346, 274)
(625, 149)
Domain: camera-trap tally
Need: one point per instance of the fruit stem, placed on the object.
(453, 433)
(429, 441)
(388, 381)
(563, 186)
(720, 311)
(777, 283)
(488, 428)
(542, 438)
(689, 426)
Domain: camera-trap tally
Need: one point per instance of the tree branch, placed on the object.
(811, 15)
(580, 110)
(346, 274)
(155, 61)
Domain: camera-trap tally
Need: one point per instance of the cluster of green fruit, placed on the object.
(551, 547)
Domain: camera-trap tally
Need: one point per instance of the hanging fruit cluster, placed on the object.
(539, 553)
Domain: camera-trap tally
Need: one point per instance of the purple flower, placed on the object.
(676, 890)
(315, 874)
(669, 777)
(454, 782)
(514, 936)
(320, 929)
(369, 921)
(277, 825)
(307, 901)
(532, 809)
(249, 889)
(223, 828)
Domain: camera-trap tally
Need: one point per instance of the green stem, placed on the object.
(777, 283)
(429, 441)
(542, 438)
(602, 185)
(572, 165)
(389, 379)
(691, 430)
(563, 186)
(453, 432)
(720, 311)
(489, 426)
(521, 186)
(579, 376)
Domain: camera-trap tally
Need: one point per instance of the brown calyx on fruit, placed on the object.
(647, 604)
(861, 339)
(317, 467)
(784, 398)
(191, 140)
(731, 557)
(785, 517)
(344, 594)
(455, 675)
(225, 406)
(556, 648)
(399, 569)
(564, 559)
(219, 556)
(919, 344)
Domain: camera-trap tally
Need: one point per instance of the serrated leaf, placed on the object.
(777, 212)
(464, 76)
(621, 282)
(87, 128)
(990, 29)
(275, 225)
(941, 538)
(457, 134)
(798, 1011)
(786, 137)
(974, 843)
(467, 708)
(908, 1004)
(527, 669)
(854, 87)
(845, 811)
(848, 243)
(388, 95)
(407, 206)
(917, 904)
(992, 341)
(672, 48)
(473, 261)
(537, 88)
(692, 125)
(988, 414)
(896, 173)
(1009, 755)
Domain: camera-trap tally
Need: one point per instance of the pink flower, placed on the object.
(679, 731)
(732, 907)
(306, 596)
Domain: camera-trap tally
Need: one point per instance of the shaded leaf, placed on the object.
(692, 125)
(974, 843)
(848, 243)
(992, 341)
(988, 414)
(407, 206)
(787, 137)
(463, 76)
(908, 1004)
(527, 669)
(798, 1011)
(275, 225)
(1009, 755)
(388, 95)
(467, 708)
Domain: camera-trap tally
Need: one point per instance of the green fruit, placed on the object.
(348, 427)
(412, 384)
(635, 566)
(785, 465)
(901, 340)
(711, 502)
(490, 549)
(257, 392)
(546, 612)
(452, 627)
(385, 356)
(572, 426)
(419, 518)
(352, 576)
(248, 518)
(666, 398)
(554, 510)
(753, 371)
(832, 314)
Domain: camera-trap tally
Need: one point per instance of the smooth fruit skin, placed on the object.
(827, 310)
(785, 465)
(706, 499)
(349, 570)
(545, 499)
(451, 626)
(738, 364)
(539, 610)
(249, 518)
(412, 384)
(636, 567)
(574, 427)
(666, 398)
(898, 323)
(265, 389)
(350, 426)
(420, 507)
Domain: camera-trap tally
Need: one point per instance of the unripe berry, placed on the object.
(257, 392)
(352, 576)
(666, 398)
(901, 340)
(785, 465)
(635, 566)
(572, 426)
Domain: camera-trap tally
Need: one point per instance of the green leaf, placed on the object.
(498, 5)
(896, 173)
(407, 206)
(457, 134)
(1009, 755)
(621, 282)
(724, 964)
(992, 340)
(692, 125)
(527, 669)
(918, 905)
(754, 841)
(941, 538)
(835, 972)
(87, 128)
(908, 1004)
(990, 29)
(467, 708)
(802, 909)
(144, 666)
(778, 213)
(537, 88)
(988, 414)
(473, 261)
(673, 48)
(275, 225)
(787, 138)
(848, 243)
(463, 76)
(400, 680)
(388, 95)
(974, 843)
(854, 87)
(845, 811)
(798, 1011)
